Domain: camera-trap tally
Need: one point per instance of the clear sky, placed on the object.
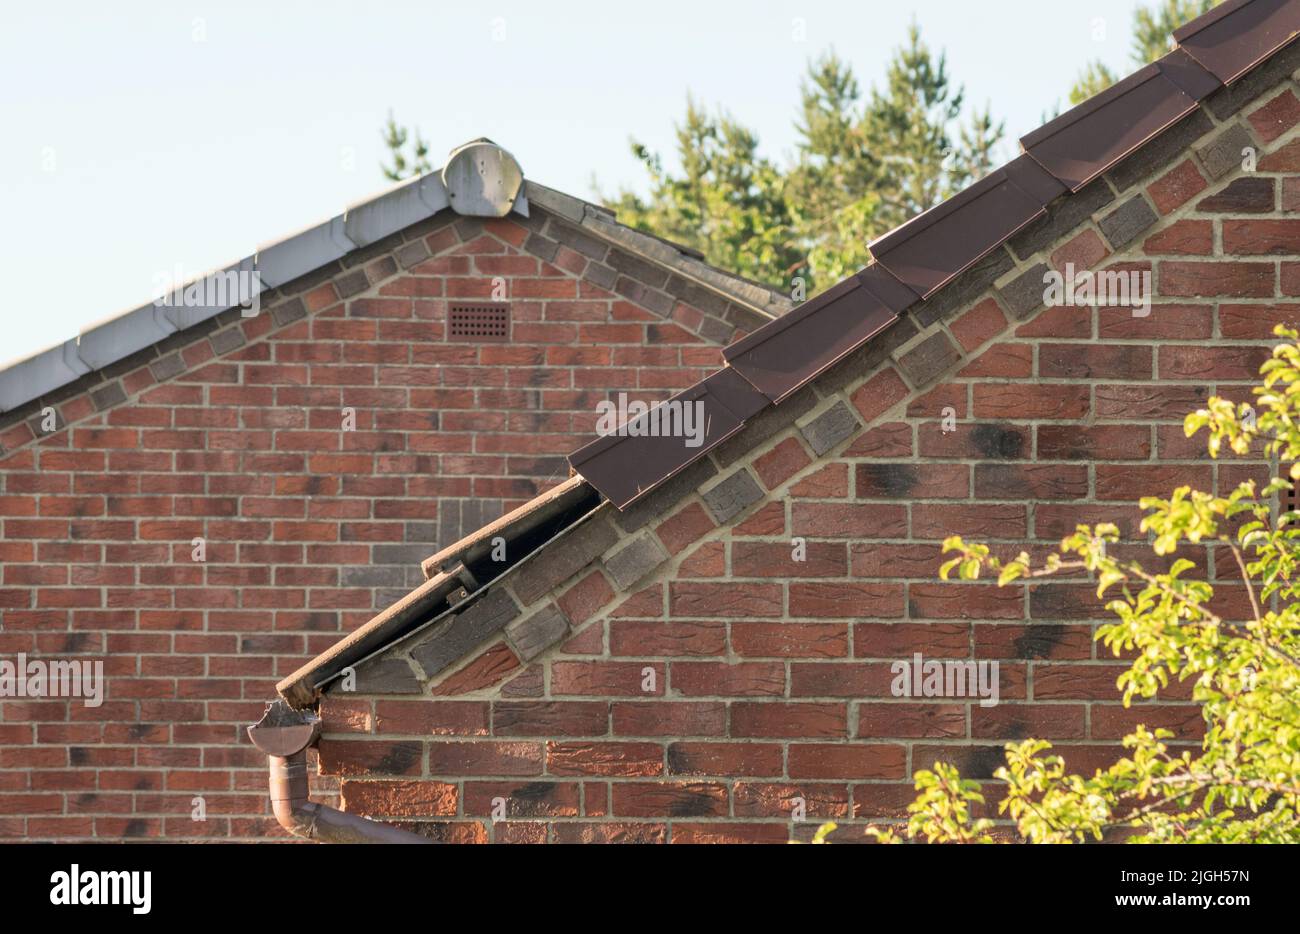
(143, 137)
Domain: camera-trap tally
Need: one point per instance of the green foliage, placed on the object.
(404, 166)
(862, 166)
(728, 202)
(1153, 28)
(1243, 784)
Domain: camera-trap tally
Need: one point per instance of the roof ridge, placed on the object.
(244, 282)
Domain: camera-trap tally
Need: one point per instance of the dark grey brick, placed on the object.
(532, 636)
(382, 676)
(1162, 151)
(167, 367)
(1063, 216)
(448, 521)
(426, 532)
(108, 396)
(452, 639)
(400, 554)
(225, 341)
(1124, 224)
(352, 283)
(929, 359)
(827, 430)
(467, 228)
(637, 268)
(410, 254)
(373, 575)
(635, 560)
(657, 302)
(564, 557)
(471, 516)
(733, 496)
(575, 239)
(1222, 154)
(381, 269)
(1023, 295)
(34, 423)
(719, 332)
(542, 247)
(601, 275)
(288, 312)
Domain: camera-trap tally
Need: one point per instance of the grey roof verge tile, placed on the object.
(372, 219)
(34, 377)
(285, 260)
(119, 337)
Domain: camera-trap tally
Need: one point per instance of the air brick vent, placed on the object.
(480, 322)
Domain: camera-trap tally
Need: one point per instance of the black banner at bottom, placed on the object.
(213, 883)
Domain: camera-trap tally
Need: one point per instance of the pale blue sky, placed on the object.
(142, 136)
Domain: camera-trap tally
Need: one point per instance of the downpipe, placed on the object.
(283, 735)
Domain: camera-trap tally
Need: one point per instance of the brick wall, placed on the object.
(707, 683)
(232, 432)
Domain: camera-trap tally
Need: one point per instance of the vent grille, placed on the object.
(483, 322)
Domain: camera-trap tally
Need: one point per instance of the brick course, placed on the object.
(231, 431)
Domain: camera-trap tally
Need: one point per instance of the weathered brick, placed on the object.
(925, 362)
(1023, 295)
(536, 633)
(635, 560)
(1124, 224)
(732, 496)
(1224, 153)
(836, 424)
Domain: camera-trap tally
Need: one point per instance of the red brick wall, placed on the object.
(771, 677)
(232, 432)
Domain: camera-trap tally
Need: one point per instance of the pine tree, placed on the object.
(395, 138)
(1153, 27)
(728, 202)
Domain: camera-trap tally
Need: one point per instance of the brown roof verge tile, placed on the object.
(1084, 142)
(932, 248)
(625, 466)
(780, 357)
(1236, 36)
